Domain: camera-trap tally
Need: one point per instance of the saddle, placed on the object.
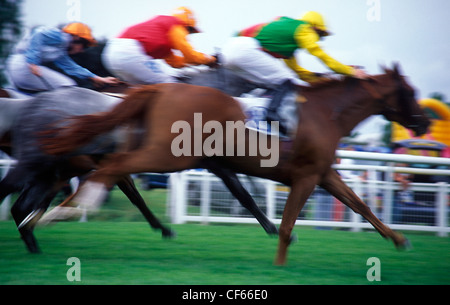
(262, 105)
(257, 104)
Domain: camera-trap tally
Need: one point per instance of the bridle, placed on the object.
(402, 101)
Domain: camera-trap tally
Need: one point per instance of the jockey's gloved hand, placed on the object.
(360, 74)
(320, 75)
(214, 64)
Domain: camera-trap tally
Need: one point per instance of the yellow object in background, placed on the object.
(440, 126)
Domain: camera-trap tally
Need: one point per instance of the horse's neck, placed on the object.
(347, 107)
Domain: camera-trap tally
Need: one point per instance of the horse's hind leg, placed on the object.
(23, 218)
(336, 187)
(232, 182)
(128, 187)
(28, 209)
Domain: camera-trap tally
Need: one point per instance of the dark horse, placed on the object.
(332, 110)
(38, 177)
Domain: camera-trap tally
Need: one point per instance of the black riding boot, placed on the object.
(272, 110)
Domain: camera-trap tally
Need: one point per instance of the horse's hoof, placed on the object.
(168, 234)
(405, 245)
(35, 251)
(272, 230)
(30, 243)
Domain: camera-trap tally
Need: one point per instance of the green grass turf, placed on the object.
(131, 253)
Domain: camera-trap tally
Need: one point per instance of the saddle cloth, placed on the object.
(255, 107)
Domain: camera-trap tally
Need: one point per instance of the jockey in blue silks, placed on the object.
(28, 67)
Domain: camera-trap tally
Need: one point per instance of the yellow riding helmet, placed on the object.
(316, 20)
(81, 30)
(187, 17)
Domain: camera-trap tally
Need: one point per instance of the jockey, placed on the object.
(133, 56)
(28, 66)
(256, 52)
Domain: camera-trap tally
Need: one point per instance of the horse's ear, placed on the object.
(396, 69)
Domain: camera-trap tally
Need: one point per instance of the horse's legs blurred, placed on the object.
(27, 210)
(334, 184)
(128, 187)
(67, 201)
(300, 191)
(232, 182)
(151, 159)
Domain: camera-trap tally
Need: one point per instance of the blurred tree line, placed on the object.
(10, 31)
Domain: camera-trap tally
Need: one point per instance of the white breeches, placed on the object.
(244, 55)
(127, 60)
(20, 74)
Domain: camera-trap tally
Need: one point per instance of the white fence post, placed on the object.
(441, 208)
(177, 198)
(388, 194)
(270, 199)
(205, 198)
(372, 190)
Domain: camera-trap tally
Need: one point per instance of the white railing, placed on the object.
(197, 196)
(200, 197)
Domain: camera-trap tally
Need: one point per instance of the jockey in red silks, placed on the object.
(133, 56)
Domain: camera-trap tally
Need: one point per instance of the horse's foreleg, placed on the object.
(128, 187)
(300, 191)
(336, 187)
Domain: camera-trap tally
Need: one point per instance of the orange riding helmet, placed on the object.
(81, 30)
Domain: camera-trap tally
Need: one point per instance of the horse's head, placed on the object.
(400, 105)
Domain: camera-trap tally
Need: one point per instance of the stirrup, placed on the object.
(273, 116)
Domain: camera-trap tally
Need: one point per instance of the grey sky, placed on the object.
(412, 32)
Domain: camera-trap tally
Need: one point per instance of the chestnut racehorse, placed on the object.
(332, 109)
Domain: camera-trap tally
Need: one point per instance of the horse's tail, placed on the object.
(84, 128)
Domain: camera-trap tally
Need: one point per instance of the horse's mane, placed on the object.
(346, 80)
(328, 83)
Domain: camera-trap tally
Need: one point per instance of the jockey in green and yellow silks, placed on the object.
(265, 55)
(280, 39)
